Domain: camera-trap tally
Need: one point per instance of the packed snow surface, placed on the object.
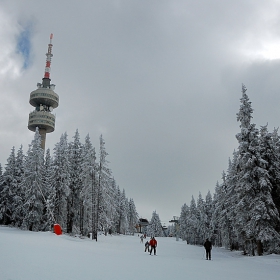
(28, 255)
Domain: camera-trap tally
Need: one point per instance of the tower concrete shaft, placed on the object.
(44, 99)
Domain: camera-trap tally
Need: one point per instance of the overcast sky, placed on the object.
(160, 80)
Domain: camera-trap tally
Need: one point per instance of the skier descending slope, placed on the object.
(147, 245)
(153, 244)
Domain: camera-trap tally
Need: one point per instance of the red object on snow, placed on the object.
(57, 229)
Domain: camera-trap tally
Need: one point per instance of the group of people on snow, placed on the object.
(151, 246)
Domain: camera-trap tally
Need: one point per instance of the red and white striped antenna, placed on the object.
(49, 59)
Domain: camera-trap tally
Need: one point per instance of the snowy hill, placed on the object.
(28, 255)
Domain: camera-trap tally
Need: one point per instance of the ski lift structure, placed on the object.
(164, 228)
(176, 222)
(142, 223)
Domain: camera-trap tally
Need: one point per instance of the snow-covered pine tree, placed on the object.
(9, 186)
(256, 214)
(192, 230)
(209, 213)
(132, 217)
(271, 162)
(183, 220)
(104, 197)
(123, 213)
(114, 216)
(155, 228)
(114, 206)
(202, 222)
(49, 191)
(75, 206)
(232, 200)
(118, 210)
(32, 185)
(61, 180)
(112, 210)
(225, 224)
(88, 194)
(276, 177)
(127, 215)
(216, 217)
(19, 192)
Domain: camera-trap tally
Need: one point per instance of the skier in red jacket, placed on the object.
(153, 244)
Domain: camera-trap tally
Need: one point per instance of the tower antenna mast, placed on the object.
(49, 59)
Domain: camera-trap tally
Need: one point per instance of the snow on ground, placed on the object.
(28, 255)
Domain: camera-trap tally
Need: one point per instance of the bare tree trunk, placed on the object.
(69, 224)
(253, 247)
(244, 248)
(259, 248)
(81, 218)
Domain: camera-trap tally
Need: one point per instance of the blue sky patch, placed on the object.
(24, 45)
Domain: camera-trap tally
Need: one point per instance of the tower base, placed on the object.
(43, 134)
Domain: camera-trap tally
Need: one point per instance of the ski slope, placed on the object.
(28, 255)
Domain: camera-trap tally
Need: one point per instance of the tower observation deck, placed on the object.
(44, 99)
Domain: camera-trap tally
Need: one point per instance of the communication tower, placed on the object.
(44, 99)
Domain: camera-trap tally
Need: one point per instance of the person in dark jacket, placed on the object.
(153, 244)
(147, 245)
(208, 248)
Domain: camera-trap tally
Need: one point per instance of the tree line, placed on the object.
(244, 211)
(71, 188)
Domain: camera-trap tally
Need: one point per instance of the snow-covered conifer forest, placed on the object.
(244, 211)
(74, 188)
